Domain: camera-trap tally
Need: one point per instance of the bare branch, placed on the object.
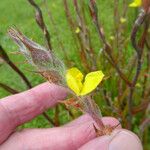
(8, 88)
(108, 48)
(4, 55)
(48, 118)
(41, 23)
(139, 50)
(56, 31)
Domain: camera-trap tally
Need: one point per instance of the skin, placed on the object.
(78, 134)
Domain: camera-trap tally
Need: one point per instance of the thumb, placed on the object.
(119, 139)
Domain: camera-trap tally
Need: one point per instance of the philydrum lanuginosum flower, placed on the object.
(136, 3)
(75, 82)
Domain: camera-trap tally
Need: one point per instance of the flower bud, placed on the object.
(44, 60)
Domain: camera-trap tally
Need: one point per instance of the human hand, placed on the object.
(78, 134)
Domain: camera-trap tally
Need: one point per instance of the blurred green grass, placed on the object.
(19, 13)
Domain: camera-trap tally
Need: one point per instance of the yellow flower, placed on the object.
(136, 3)
(77, 30)
(138, 85)
(75, 82)
(53, 5)
(112, 38)
(123, 20)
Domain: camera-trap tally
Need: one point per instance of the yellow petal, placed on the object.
(136, 3)
(92, 80)
(74, 80)
(76, 73)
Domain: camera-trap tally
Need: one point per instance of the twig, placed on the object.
(69, 111)
(147, 45)
(68, 15)
(83, 36)
(56, 117)
(56, 31)
(109, 102)
(108, 99)
(108, 49)
(77, 38)
(8, 88)
(116, 22)
(139, 50)
(4, 55)
(144, 125)
(142, 107)
(48, 119)
(41, 23)
(146, 76)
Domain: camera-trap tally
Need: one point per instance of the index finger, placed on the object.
(20, 108)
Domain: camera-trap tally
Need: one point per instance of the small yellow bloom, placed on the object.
(112, 38)
(75, 82)
(136, 3)
(77, 30)
(53, 5)
(138, 85)
(123, 20)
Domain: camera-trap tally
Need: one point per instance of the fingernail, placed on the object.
(125, 140)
